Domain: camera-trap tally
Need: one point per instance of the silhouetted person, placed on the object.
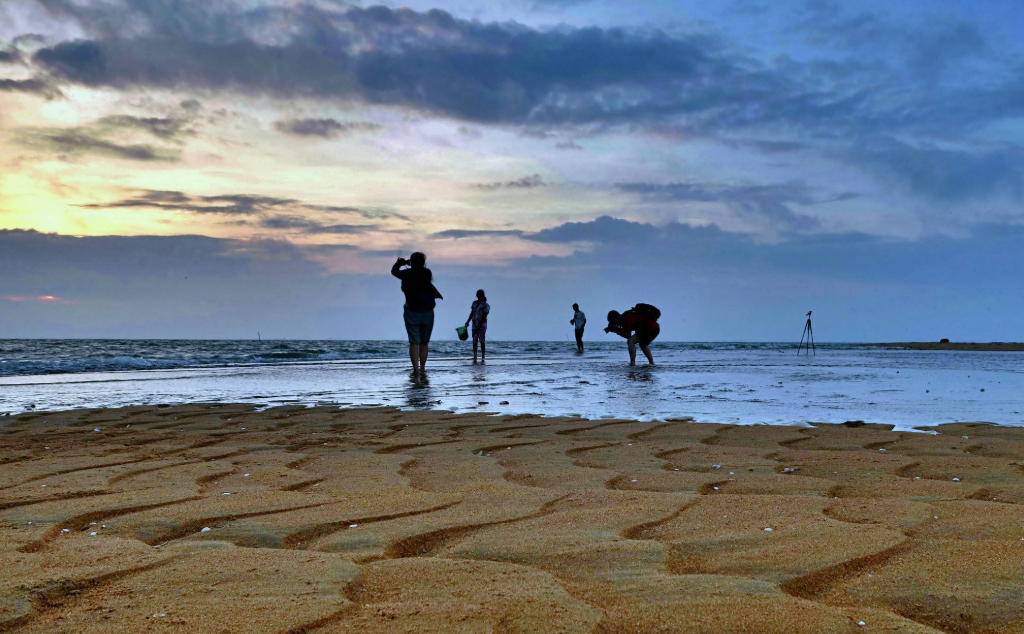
(478, 315)
(638, 325)
(420, 296)
(579, 321)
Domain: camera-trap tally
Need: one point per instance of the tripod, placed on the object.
(809, 334)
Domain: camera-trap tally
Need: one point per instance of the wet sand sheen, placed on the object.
(218, 518)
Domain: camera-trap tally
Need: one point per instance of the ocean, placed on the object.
(744, 383)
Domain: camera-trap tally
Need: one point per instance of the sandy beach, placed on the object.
(219, 518)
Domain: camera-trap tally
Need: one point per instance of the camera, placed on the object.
(403, 261)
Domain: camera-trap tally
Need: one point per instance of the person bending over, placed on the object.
(478, 315)
(420, 299)
(638, 325)
(579, 320)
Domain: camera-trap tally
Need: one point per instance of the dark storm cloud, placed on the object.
(767, 202)
(9, 57)
(324, 128)
(526, 182)
(75, 141)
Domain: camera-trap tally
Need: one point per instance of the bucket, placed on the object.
(462, 332)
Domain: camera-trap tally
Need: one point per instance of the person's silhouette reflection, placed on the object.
(418, 394)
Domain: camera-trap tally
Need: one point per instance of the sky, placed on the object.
(197, 169)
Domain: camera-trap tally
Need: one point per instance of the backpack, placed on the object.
(648, 311)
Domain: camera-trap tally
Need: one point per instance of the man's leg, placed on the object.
(483, 348)
(414, 355)
(647, 353)
(579, 340)
(632, 349)
(474, 349)
(423, 357)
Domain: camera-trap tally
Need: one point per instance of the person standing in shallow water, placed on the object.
(420, 298)
(579, 321)
(478, 315)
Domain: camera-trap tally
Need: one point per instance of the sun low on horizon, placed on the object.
(735, 163)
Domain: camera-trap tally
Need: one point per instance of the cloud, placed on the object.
(273, 212)
(568, 145)
(941, 174)
(927, 48)
(929, 263)
(486, 72)
(457, 234)
(526, 182)
(76, 141)
(166, 128)
(324, 128)
(875, 77)
(230, 204)
(9, 57)
(307, 225)
(605, 230)
(772, 203)
(557, 4)
(32, 86)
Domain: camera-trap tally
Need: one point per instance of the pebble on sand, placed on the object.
(206, 529)
(768, 529)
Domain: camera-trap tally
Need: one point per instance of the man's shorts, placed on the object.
(419, 325)
(479, 332)
(648, 332)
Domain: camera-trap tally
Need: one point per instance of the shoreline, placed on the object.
(381, 520)
(954, 346)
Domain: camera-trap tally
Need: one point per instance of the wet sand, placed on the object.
(222, 519)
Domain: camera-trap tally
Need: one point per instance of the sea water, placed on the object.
(746, 383)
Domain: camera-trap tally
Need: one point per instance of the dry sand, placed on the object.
(222, 519)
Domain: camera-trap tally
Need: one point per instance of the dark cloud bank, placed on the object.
(711, 284)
